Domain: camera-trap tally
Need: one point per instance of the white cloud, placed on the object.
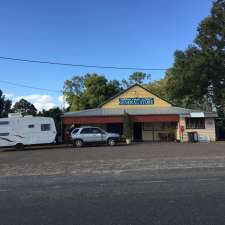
(40, 101)
(62, 102)
(8, 96)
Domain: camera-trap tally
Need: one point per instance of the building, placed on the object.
(154, 118)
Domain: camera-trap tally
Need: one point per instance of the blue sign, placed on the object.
(136, 101)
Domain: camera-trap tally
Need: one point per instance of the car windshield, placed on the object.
(75, 131)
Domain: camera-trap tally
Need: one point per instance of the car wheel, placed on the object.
(79, 143)
(111, 142)
(19, 146)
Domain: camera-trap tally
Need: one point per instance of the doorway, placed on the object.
(115, 128)
(137, 131)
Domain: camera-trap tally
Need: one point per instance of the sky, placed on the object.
(127, 33)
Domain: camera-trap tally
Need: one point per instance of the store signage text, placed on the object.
(136, 101)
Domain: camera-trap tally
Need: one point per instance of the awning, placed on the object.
(119, 119)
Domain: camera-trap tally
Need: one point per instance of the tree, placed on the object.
(158, 87)
(187, 82)
(127, 126)
(197, 76)
(25, 107)
(136, 77)
(89, 91)
(5, 105)
(72, 91)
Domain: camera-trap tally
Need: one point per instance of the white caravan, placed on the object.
(18, 131)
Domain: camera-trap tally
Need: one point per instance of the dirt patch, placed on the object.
(102, 160)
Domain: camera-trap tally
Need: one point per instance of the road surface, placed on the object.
(171, 196)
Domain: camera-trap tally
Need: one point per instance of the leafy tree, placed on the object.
(158, 87)
(136, 77)
(72, 91)
(197, 78)
(89, 91)
(25, 107)
(127, 126)
(5, 105)
(187, 84)
(198, 74)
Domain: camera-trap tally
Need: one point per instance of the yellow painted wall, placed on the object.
(147, 135)
(136, 92)
(208, 131)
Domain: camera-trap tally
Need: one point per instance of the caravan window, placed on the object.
(31, 126)
(4, 134)
(4, 122)
(45, 127)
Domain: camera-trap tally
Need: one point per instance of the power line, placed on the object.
(30, 87)
(80, 65)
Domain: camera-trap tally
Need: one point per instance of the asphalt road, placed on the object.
(181, 196)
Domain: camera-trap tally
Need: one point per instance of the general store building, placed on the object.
(154, 118)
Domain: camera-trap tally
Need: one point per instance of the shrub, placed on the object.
(127, 126)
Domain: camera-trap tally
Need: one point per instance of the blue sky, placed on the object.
(142, 33)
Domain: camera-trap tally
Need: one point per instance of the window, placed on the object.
(91, 131)
(45, 127)
(31, 126)
(210, 121)
(4, 122)
(75, 131)
(195, 123)
(4, 134)
(86, 131)
(95, 131)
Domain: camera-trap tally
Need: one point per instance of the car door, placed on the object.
(86, 134)
(96, 135)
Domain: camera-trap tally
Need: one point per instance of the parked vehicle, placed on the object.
(89, 134)
(19, 131)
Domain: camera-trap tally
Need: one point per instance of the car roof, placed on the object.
(88, 127)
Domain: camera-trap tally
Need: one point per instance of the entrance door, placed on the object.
(115, 128)
(137, 131)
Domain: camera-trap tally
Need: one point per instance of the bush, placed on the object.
(127, 126)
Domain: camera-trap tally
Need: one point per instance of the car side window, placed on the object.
(86, 131)
(95, 131)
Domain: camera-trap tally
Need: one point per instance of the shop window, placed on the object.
(195, 123)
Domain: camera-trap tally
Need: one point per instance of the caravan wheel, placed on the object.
(19, 146)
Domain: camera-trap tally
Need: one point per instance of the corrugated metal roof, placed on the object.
(135, 111)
